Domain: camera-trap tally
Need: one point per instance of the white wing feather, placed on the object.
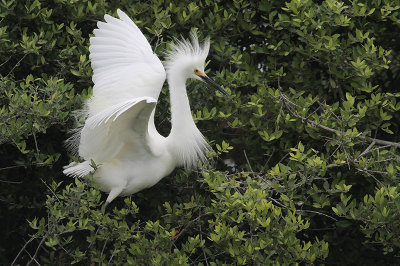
(128, 78)
(114, 112)
(123, 62)
(106, 133)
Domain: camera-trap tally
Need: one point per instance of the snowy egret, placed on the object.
(119, 134)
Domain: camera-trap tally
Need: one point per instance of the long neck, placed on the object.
(181, 117)
(185, 142)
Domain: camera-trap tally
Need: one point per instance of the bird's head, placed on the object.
(187, 59)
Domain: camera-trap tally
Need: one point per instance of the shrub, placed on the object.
(312, 128)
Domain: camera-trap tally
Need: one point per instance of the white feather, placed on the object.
(78, 169)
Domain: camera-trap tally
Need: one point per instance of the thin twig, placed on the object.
(22, 249)
(348, 161)
(329, 110)
(95, 234)
(320, 213)
(11, 167)
(10, 182)
(266, 163)
(51, 190)
(367, 149)
(104, 247)
(112, 256)
(286, 207)
(204, 253)
(17, 64)
(37, 250)
(367, 172)
(36, 145)
(32, 257)
(245, 155)
(386, 160)
(5, 61)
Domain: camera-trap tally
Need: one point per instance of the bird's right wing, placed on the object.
(120, 126)
(113, 112)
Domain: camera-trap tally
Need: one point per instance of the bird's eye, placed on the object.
(196, 71)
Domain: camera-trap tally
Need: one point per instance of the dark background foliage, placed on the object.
(312, 129)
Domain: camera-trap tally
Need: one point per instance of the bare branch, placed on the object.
(247, 160)
(367, 149)
(30, 256)
(37, 250)
(17, 64)
(311, 211)
(22, 249)
(36, 145)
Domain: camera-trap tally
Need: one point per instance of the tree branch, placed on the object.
(318, 125)
(22, 249)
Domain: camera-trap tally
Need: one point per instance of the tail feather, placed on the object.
(78, 169)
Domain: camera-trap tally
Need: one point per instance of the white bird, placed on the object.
(119, 134)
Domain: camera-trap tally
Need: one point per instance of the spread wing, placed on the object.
(123, 61)
(128, 78)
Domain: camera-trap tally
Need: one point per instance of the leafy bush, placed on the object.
(312, 130)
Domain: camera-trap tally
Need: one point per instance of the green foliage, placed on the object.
(250, 230)
(312, 128)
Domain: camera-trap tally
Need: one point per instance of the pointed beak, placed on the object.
(211, 82)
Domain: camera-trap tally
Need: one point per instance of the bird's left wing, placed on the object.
(128, 78)
(124, 65)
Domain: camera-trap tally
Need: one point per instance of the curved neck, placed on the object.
(185, 142)
(181, 116)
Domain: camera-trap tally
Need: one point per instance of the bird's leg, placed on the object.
(113, 194)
